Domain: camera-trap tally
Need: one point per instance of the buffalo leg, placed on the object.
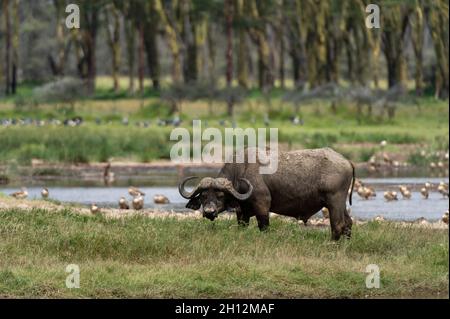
(261, 210)
(263, 221)
(348, 225)
(243, 219)
(338, 218)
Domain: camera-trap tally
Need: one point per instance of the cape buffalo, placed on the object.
(305, 182)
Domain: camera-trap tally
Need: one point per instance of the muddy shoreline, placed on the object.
(165, 171)
(95, 172)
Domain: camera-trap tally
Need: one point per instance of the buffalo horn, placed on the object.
(184, 192)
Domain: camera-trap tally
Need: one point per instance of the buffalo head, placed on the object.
(215, 195)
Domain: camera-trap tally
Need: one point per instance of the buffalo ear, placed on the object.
(194, 203)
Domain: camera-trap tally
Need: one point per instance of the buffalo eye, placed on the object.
(220, 194)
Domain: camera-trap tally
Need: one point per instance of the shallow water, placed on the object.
(416, 207)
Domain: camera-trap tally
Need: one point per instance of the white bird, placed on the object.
(443, 189)
(160, 199)
(123, 204)
(22, 194)
(135, 192)
(390, 195)
(138, 203)
(358, 183)
(445, 217)
(44, 193)
(424, 192)
(366, 192)
(95, 209)
(406, 193)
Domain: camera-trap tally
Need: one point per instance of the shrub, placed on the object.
(62, 90)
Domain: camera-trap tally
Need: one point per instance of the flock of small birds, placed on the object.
(438, 160)
(176, 121)
(137, 199)
(78, 121)
(366, 192)
(72, 122)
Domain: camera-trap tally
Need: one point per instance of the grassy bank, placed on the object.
(83, 144)
(420, 126)
(141, 257)
(96, 144)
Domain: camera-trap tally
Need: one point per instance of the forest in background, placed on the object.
(244, 43)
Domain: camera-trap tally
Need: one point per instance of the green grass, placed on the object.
(142, 257)
(82, 144)
(425, 127)
(91, 143)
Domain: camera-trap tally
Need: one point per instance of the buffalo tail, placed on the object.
(353, 183)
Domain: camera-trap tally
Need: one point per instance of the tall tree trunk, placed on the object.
(374, 39)
(361, 56)
(316, 39)
(77, 39)
(295, 66)
(141, 60)
(395, 66)
(211, 43)
(7, 47)
(89, 28)
(151, 45)
(259, 36)
(367, 43)
(15, 47)
(189, 39)
(395, 25)
(91, 63)
(242, 58)
(57, 64)
(172, 39)
(297, 38)
(349, 50)
(312, 63)
(332, 72)
(438, 21)
(242, 61)
(201, 31)
(335, 28)
(130, 35)
(113, 31)
(151, 48)
(2, 71)
(280, 36)
(417, 41)
(229, 51)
